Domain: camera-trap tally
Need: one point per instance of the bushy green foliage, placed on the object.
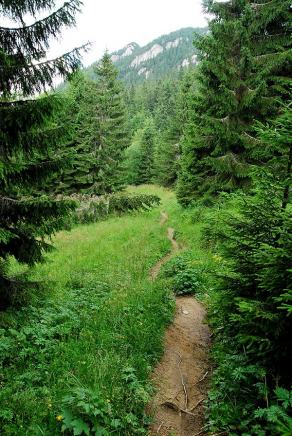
(97, 117)
(248, 308)
(243, 77)
(86, 412)
(187, 277)
(91, 209)
(278, 415)
(239, 400)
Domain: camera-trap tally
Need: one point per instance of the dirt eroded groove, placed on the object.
(175, 247)
(181, 377)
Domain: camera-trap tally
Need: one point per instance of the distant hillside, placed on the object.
(163, 56)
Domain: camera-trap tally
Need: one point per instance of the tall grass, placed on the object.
(78, 359)
(96, 331)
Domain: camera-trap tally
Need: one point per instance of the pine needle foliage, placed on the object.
(243, 77)
(29, 135)
(140, 156)
(97, 115)
(251, 307)
(250, 310)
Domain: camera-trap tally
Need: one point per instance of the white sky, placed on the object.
(111, 24)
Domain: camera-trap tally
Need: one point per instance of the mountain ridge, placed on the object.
(164, 55)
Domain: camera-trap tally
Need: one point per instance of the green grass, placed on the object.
(97, 330)
(82, 353)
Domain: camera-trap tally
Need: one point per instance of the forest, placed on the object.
(121, 202)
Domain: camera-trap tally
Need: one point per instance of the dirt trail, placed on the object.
(181, 377)
(175, 248)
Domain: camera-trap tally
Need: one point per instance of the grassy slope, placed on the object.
(102, 318)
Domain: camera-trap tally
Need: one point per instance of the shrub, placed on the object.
(186, 274)
(96, 208)
(249, 309)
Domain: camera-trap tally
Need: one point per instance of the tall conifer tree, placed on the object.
(99, 133)
(169, 131)
(28, 137)
(140, 155)
(243, 72)
(145, 164)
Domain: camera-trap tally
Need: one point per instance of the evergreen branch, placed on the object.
(40, 140)
(31, 78)
(34, 39)
(6, 200)
(19, 117)
(258, 5)
(11, 103)
(32, 215)
(39, 172)
(224, 120)
(251, 138)
(40, 202)
(15, 9)
(29, 101)
(271, 55)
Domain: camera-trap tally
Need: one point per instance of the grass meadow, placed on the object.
(77, 360)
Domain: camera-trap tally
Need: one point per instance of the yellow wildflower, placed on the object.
(59, 418)
(217, 258)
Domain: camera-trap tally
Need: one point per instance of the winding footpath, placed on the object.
(181, 377)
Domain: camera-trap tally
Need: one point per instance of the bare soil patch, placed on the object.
(181, 378)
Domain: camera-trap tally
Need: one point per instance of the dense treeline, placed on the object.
(157, 111)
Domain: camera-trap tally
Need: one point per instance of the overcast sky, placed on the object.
(111, 24)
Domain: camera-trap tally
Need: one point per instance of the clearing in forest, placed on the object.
(81, 355)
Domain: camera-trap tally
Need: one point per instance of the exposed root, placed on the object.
(183, 383)
(203, 378)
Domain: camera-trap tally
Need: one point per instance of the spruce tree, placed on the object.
(276, 145)
(29, 137)
(188, 162)
(75, 176)
(252, 307)
(99, 133)
(272, 48)
(166, 159)
(169, 130)
(140, 155)
(145, 164)
(221, 113)
(243, 73)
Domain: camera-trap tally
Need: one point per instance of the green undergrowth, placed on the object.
(77, 359)
(248, 393)
(98, 208)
